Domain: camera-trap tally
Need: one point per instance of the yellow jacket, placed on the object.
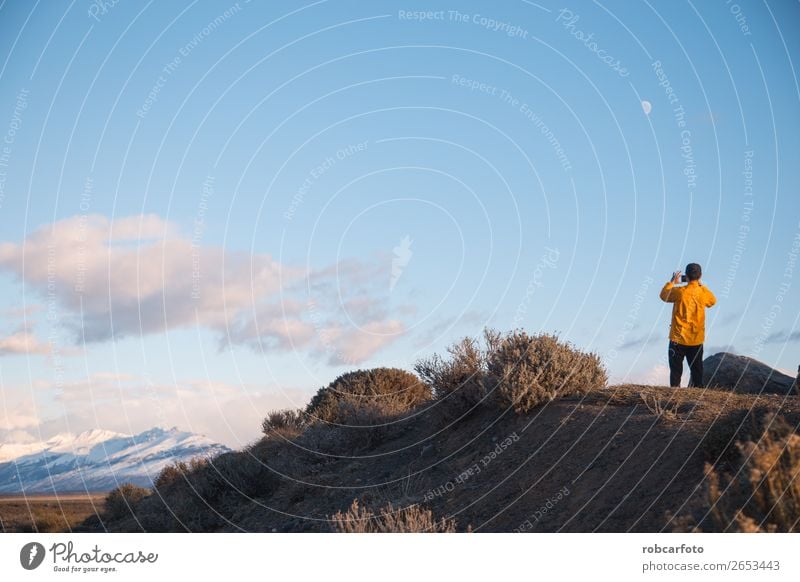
(689, 304)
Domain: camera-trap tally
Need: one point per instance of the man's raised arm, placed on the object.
(711, 300)
(668, 293)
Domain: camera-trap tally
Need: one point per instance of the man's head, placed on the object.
(693, 272)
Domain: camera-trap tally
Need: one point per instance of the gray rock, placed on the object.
(745, 375)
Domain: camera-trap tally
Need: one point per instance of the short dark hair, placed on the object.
(693, 271)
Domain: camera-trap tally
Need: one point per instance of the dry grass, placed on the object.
(411, 519)
(707, 405)
(660, 407)
(764, 495)
(47, 513)
(48, 521)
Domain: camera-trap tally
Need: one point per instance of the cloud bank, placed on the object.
(140, 275)
(227, 413)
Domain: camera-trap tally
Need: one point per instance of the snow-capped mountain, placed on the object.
(97, 460)
(61, 443)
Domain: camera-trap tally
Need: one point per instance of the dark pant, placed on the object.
(694, 354)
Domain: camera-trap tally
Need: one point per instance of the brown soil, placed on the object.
(625, 458)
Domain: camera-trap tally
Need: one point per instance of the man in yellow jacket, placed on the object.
(688, 327)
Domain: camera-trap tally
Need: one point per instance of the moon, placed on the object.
(647, 107)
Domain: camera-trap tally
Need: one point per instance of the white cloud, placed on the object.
(22, 342)
(227, 413)
(20, 437)
(354, 345)
(134, 275)
(18, 416)
(141, 275)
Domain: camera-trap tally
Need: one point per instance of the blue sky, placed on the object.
(211, 209)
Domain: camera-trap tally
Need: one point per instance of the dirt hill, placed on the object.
(624, 458)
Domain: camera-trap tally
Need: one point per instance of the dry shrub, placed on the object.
(459, 380)
(764, 495)
(46, 521)
(285, 457)
(320, 440)
(362, 427)
(660, 407)
(286, 424)
(518, 370)
(382, 392)
(411, 519)
(526, 371)
(121, 501)
(235, 473)
(241, 472)
(720, 441)
(177, 471)
(200, 495)
(153, 514)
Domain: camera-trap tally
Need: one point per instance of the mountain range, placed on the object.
(97, 460)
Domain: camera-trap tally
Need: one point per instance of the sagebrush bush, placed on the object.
(764, 494)
(381, 391)
(198, 496)
(175, 472)
(236, 473)
(411, 519)
(240, 472)
(121, 501)
(526, 371)
(510, 370)
(459, 381)
(284, 423)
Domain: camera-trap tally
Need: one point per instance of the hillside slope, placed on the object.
(624, 458)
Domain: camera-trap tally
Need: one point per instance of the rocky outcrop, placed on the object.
(745, 375)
